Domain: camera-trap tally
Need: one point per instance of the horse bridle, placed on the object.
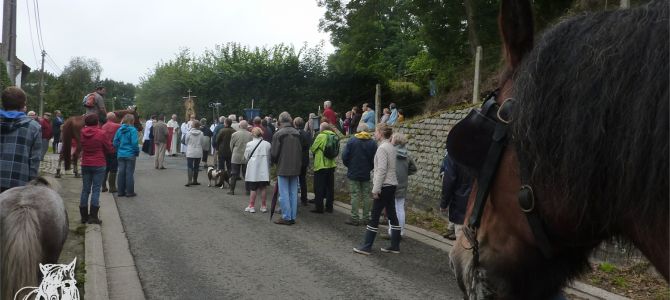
(501, 115)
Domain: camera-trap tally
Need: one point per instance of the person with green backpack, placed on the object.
(325, 148)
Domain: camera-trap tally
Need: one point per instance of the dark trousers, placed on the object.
(324, 187)
(224, 163)
(193, 164)
(54, 144)
(386, 200)
(205, 154)
(303, 183)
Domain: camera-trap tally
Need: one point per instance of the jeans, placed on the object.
(400, 212)
(288, 196)
(386, 200)
(126, 177)
(324, 187)
(92, 177)
(360, 198)
(45, 147)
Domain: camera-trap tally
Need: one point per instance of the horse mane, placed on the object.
(43, 181)
(21, 251)
(591, 120)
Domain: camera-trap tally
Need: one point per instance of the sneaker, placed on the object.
(264, 209)
(250, 209)
(352, 222)
(292, 222)
(450, 235)
(389, 250)
(361, 251)
(282, 222)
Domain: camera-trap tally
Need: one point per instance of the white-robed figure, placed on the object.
(185, 128)
(173, 131)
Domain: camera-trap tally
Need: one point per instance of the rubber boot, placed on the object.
(366, 247)
(195, 177)
(395, 241)
(190, 178)
(93, 217)
(233, 181)
(83, 211)
(112, 182)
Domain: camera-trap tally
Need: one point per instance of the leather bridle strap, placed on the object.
(527, 204)
(488, 172)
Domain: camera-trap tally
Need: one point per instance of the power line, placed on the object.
(38, 24)
(53, 62)
(30, 29)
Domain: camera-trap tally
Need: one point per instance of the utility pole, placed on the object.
(475, 88)
(42, 84)
(9, 37)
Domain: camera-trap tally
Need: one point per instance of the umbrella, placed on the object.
(273, 204)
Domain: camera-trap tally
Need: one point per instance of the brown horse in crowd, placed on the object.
(576, 152)
(71, 136)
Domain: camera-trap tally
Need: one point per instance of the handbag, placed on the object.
(246, 159)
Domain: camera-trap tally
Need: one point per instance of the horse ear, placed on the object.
(44, 269)
(72, 264)
(516, 28)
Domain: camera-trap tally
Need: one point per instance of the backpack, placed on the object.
(89, 100)
(332, 148)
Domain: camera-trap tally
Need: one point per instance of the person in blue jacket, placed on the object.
(127, 149)
(358, 156)
(456, 188)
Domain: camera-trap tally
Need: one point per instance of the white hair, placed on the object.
(327, 104)
(222, 119)
(398, 138)
(285, 117)
(233, 117)
(362, 127)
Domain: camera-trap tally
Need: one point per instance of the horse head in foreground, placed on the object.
(34, 229)
(58, 283)
(571, 151)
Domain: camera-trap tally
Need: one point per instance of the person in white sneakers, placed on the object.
(257, 176)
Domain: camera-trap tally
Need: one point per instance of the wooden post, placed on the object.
(625, 4)
(475, 89)
(378, 101)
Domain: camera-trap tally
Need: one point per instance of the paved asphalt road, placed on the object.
(198, 243)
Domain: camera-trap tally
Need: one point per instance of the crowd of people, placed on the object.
(377, 159)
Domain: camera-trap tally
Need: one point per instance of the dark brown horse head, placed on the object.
(132, 111)
(586, 153)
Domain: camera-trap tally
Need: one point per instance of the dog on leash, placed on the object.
(217, 177)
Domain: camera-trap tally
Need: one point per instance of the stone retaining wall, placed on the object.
(427, 138)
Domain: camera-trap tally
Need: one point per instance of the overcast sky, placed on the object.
(128, 37)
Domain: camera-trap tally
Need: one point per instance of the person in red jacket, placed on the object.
(47, 132)
(110, 129)
(329, 113)
(94, 146)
